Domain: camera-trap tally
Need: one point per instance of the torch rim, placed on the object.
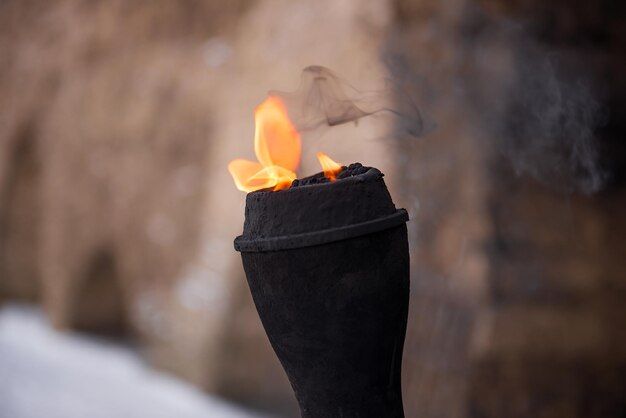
(325, 236)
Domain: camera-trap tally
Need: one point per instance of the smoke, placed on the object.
(533, 105)
(548, 117)
(325, 99)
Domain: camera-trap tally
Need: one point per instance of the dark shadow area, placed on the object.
(19, 219)
(99, 302)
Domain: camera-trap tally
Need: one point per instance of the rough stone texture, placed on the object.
(106, 125)
(445, 196)
(557, 278)
(556, 283)
(517, 282)
(117, 120)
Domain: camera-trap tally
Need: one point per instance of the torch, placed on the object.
(326, 259)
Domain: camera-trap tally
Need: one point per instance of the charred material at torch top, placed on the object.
(354, 169)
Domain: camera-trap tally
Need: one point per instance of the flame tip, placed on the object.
(277, 147)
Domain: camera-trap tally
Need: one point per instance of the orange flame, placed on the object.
(330, 167)
(277, 147)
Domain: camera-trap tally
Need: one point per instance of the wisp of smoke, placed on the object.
(549, 123)
(518, 96)
(324, 99)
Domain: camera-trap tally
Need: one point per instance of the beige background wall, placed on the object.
(117, 213)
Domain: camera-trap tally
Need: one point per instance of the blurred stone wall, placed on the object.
(445, 191)
(117, 120)
(556, 282)
(117, 212)
(108, 114)
(275, 40)
(517, 266)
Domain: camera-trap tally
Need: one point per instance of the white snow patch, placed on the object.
(46, 373)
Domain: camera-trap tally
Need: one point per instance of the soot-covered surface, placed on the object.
(328, 269)
(318, 213)
(336, 316)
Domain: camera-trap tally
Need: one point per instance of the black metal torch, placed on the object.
(328, 267)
